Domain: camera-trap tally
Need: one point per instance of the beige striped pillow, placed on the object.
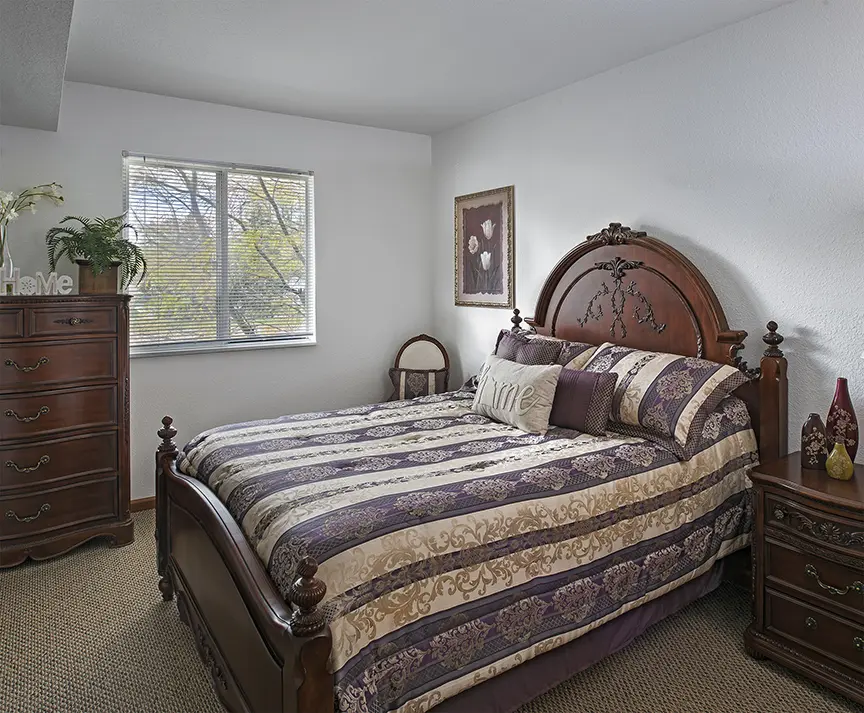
(668, 394)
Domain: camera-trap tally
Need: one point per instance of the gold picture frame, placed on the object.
(484, 249)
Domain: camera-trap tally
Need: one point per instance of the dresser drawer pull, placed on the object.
(810, 622)
(40, 362)
(44, 460)
(859, 643)
(45, 507)
(27, 419)
(857, 587)
(73, 321)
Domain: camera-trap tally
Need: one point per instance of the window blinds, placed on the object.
(229, 254)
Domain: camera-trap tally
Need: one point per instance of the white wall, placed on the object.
(372, 230)
(743, 148)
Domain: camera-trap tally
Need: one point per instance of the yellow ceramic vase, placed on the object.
(839, 464)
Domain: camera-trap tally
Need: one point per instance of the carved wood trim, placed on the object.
(770, 643)
(205, 651)
(824, 530)
(616, 234)
(617, 268)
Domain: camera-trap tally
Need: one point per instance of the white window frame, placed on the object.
(226, 344)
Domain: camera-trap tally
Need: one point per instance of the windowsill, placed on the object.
(215, 348)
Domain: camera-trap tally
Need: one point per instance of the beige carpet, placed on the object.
(89, 633)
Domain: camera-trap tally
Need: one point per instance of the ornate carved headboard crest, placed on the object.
(616, 234)
(624, 286)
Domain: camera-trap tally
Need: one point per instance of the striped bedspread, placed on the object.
(455, 548)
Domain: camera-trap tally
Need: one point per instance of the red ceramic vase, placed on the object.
(842, 425)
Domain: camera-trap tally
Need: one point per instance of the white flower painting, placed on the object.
(484, 249)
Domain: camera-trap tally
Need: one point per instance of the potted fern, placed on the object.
(98, 246)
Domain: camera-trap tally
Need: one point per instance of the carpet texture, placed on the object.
(89, 633)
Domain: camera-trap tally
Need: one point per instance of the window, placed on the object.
(229, 255)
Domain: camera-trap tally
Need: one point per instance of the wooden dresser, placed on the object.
(64, 424)
(808, 569)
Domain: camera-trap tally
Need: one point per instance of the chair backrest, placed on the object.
(422, 352)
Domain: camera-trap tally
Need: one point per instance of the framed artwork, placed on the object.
(484, 249)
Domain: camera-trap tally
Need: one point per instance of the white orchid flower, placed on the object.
(12, 215)
(488, 228)
(485, 260)
(473, 245)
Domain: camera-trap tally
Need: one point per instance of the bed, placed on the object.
(412, 555)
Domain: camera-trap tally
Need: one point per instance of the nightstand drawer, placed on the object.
(813, 525)
(824, 634)
(836, 584)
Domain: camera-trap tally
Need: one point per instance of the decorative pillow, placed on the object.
(668, 394)
(583, 401)
(411, 383)
(518, 347)
(540, 349)
(519, 395)
(575, 355)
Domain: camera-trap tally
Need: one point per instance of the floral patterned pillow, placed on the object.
(535, 349)
(667, 394)
(412, 383)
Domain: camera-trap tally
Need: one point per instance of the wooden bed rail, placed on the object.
(260, 653)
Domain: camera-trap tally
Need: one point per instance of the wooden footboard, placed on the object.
(262, 654)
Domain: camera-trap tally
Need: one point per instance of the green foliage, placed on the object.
(202, 285)
(100, 241)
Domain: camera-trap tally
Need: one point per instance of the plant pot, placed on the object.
(90, 283)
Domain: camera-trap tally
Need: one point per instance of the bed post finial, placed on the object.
(773, 399)
(306, 594)
(773, 340)
(167, 433)
(517, 321)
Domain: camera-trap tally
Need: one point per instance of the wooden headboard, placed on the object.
(623, 286)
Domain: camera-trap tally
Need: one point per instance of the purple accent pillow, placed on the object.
(514, 346)
(583, 401)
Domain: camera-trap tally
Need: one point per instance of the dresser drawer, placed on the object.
(71, 320)
(39, 414)
(32, 364)
(52, 509)
(827, 635)
(52, 460)
(11, 323)
(836, 584)
(813, 525)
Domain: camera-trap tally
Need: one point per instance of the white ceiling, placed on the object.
(414, 65)
(33, 37)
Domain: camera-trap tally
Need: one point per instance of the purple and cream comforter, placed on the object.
(455, 548)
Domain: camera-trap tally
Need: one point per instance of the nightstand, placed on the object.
(808, 574)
